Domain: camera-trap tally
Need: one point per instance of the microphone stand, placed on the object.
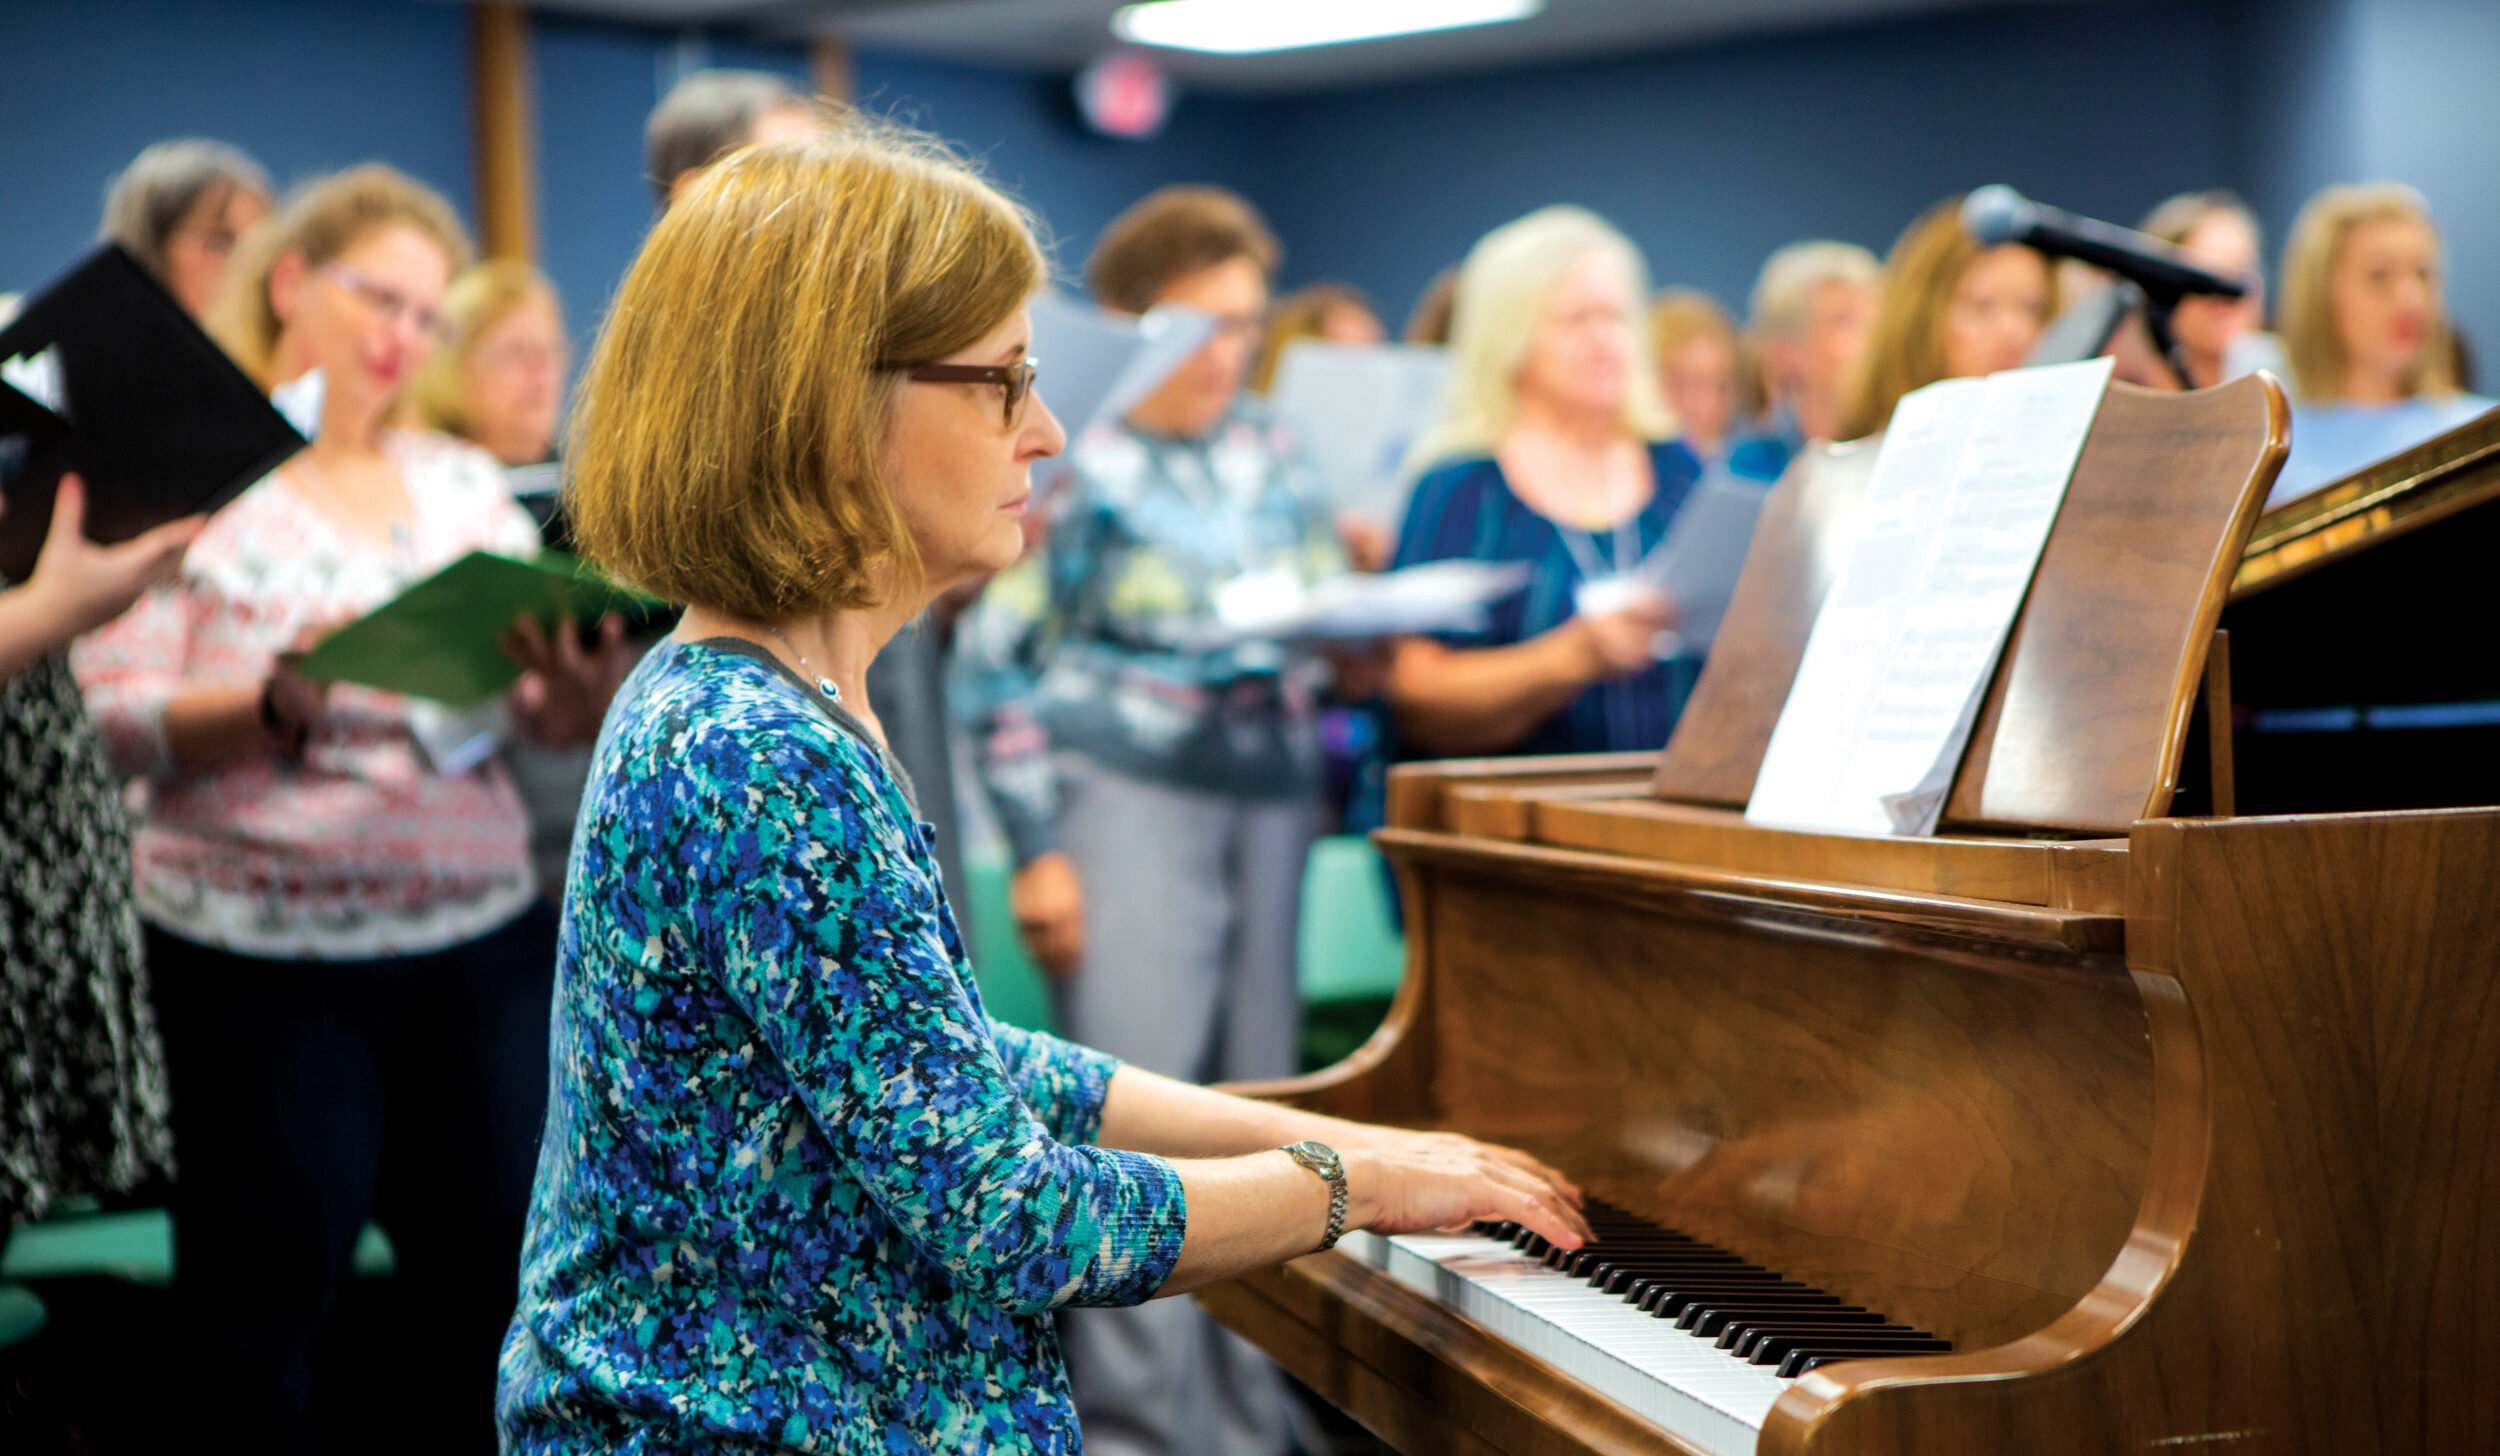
(2158, 304)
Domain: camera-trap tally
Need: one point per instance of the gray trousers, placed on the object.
(1193, 907)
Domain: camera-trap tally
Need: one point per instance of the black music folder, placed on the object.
(105, 375)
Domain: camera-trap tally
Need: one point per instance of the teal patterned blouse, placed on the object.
(797, 1191)
(1097, 644)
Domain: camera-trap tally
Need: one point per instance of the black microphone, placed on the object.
(1999, 214)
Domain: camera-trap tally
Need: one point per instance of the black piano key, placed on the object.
(1669, 1298)
(1742, 1337)
(1655, 1285)
(1616, 1256)
(1755, 1313)
(1708, 1322)
(1656, 1289)
(1801, 1361)
(1771, 1347)
(1588, 1261)
(1689, 1307)
(1793, 1318)
(1619, 1278)
(1753, 1338)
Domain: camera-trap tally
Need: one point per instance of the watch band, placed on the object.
(1323, 1160)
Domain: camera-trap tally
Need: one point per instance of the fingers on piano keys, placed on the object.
(1756, 1314)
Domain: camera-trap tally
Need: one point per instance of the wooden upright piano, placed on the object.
(2135, 1124)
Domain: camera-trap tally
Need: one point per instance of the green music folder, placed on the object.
(442, 639)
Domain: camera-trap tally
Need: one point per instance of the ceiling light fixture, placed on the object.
(1250, 27)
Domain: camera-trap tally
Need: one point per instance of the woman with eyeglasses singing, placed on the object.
(1159, 787)
(351, 974)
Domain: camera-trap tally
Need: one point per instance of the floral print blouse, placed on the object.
(797, 1191)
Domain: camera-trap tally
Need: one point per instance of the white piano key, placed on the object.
(1673, 1377)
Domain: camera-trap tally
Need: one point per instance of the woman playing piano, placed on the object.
(797, 1191)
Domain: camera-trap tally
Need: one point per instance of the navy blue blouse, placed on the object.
(1466, 510)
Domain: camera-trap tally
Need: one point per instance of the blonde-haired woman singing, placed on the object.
(498, 380)
(798, 1192)
(352, 987)
(2365, 329)
(1555, 450)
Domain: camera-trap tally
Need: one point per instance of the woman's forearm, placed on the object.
(1458, 701)
(1246, 1213)
(31, 628)
(210, 726)
(1147, 1113)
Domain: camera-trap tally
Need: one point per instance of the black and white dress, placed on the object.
(82, 1082)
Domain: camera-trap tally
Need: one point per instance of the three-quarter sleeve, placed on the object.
(800, 893)
(1063, 1083)
(129, 671)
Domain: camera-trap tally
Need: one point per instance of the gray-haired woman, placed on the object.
(178, 208)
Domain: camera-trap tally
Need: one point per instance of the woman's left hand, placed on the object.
(565, 686)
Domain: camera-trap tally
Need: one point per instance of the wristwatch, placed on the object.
(1322, 1159)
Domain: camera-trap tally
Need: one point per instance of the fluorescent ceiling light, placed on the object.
(1248, 27)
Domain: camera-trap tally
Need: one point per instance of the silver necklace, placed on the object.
(824, 684)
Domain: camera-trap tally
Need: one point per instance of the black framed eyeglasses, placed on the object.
(1015, 381)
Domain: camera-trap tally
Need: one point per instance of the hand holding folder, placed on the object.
(103, 374)
(442, 639)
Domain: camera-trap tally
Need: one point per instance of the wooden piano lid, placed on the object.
(2086, 720)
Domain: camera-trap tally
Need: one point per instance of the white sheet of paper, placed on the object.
(1438, 596)
(1096, 365)
(1357, 411)
(1969, 482)
(1703, 553)
(38, 377)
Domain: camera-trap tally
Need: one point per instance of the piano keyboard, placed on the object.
(1681, 1333)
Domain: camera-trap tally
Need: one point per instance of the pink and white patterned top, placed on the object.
(360, 849)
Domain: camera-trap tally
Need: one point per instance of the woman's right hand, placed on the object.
(1620, 642)
(1048, 903)
(87, 585)
(1422, 1187)
(290, 703)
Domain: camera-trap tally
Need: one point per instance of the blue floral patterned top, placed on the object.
(1099, 642)
(797, 1191)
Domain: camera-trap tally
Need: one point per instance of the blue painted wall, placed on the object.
(307, 86)
(2428, 117)
(1712, 157)
(597, 83)
(1709, 157)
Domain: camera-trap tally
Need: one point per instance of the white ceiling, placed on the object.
(1061, 35)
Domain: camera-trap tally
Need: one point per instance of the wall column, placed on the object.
(503, 129)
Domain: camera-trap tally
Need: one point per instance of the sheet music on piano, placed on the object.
(1970, 478)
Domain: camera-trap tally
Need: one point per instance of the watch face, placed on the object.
(1319, 1157)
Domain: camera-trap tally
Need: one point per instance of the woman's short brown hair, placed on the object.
(1172, 233)
(1301, 314)
(730, 436)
